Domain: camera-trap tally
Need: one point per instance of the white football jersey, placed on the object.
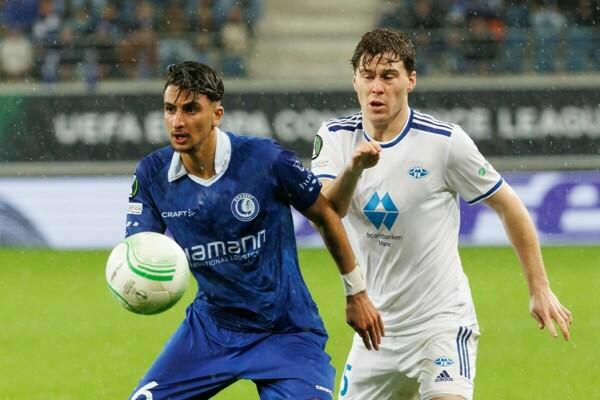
(404, 216)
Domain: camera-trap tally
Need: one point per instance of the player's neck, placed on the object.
(386, 130)
(201, 161)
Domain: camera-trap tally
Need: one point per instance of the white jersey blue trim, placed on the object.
(426, 123)
(351, 123)
(487, 194)
(398, 138)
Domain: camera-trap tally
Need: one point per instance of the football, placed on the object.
(147, 273)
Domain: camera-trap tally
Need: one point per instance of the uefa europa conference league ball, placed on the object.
(147, 273)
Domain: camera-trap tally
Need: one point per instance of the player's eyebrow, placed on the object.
(390, 71)
(189, 104)
(387, 71)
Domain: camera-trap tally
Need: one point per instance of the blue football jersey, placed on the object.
(236, 229)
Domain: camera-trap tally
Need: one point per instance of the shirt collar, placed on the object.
(222, 156)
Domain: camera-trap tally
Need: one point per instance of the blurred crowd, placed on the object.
(64, 40)
(89, 40)
(499, 36)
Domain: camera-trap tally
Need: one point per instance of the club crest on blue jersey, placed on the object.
(245, 207)
(387, 216)
(418, 172)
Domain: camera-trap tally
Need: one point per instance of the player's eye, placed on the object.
(191, 108)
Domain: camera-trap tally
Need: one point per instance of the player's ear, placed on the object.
(218, 114)
(412, 81)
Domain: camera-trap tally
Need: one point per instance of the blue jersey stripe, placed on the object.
(344, 120)
(458, 348)
(466, 348)
(434, 124)
(429, 129)
(351, 116)
(432, 120)
(488, 193)
(352, 128)
(409, 124)
(326, 176)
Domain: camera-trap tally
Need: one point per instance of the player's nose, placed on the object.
(377, 86)
(178, 120)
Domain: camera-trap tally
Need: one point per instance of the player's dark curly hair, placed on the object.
(394, 45)
(197, 78)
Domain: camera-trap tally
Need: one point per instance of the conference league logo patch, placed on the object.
(317, 147)
(245, 207)
(134, 187)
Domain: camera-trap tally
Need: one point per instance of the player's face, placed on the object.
(382, 88)
(190, 119)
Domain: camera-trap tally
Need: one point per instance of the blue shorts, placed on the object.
(200, 359)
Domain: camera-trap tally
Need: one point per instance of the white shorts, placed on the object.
(437, 362)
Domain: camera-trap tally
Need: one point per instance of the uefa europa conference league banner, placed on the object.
(89, 212)
(126, 127)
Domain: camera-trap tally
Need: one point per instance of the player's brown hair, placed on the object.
(196, 78)
(393, 45)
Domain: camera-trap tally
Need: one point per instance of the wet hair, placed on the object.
(394, 46)
(196, 78)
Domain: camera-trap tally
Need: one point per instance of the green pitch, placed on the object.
(62, 336)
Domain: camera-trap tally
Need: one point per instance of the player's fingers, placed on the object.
(539, 320)
(373, 338)
(548, 322)
(564, 315)
(380, 324)
(563, 325)
(375, 146)
(376, 334)
(365, 338)
(566, 311)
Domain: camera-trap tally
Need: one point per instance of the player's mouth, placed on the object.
(376, 105)
(179, 138)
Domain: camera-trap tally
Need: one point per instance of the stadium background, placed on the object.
(80, 102)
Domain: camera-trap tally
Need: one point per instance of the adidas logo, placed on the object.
(444, 377)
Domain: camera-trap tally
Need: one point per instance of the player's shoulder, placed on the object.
(261, 147)
(155, 161)
(345, 124)
(428, 124)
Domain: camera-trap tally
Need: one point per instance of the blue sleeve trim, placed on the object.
(429, 129)
(326, 176)
(488, 193)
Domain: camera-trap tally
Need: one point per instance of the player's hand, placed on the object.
(366, 155)
(545, 307)
(364, 318)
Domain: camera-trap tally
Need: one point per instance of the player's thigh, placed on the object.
(191, 365)
(448, 359)
(374, 375)
(292, 365)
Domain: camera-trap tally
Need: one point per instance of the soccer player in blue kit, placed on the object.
(226, 200)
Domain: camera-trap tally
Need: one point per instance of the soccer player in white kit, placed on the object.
(396, 175)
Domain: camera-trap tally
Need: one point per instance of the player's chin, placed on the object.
(181, 148)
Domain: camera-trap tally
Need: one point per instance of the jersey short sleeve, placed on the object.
(142, 214)
(327, 162)
(468, 172)
(297, 184)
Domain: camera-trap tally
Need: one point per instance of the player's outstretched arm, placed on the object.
(361, 314)
(340, 191)
(544, 306)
